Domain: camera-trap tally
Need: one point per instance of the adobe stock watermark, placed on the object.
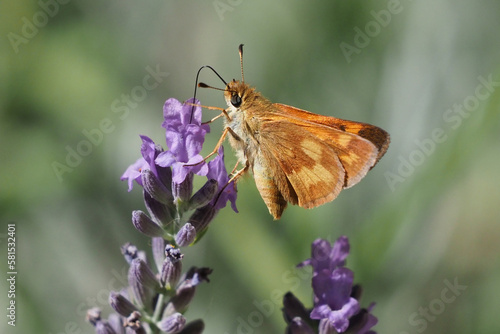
(221, 7)
(372, 29)
(453, 118)
(31, 26)
(421, 318)
(121, 108)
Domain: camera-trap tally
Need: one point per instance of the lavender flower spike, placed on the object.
(167, 179)
(174, 218)
(336, 304)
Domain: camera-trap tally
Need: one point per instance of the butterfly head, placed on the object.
(237, 94)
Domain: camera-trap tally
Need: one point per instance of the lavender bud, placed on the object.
(93, 315)
(145, 275)
(173, 324)
(121, 304)
(116, 322)
(198, 275)
(129, 251)
(142, 255)
(155, 188)
(172, 266)
(204, 195)
(140, 279)
(182, 191)
(103, 327)
(165, 176)
(133, 323)
(357, 291)
(158, 249)
(186, 290)
(194, 327)
(363, 321)
(145, 225)
(186, 235)
(183, 296)
(159, 212)
(293, 308)
(202, 217)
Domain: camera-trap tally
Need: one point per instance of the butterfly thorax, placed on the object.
(244, 103)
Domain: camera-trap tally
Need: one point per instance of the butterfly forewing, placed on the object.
(379, 137)
(357, 154)
(310, 166)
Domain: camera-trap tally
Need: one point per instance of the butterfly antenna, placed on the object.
(240, 51)
(196, 86)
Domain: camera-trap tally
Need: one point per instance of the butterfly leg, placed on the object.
(218, 145)
(202, 106)
(213, 119)
(238, 173)
(234, 178)
(234, 168)
(223, 113)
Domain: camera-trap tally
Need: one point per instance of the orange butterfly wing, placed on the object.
(379, 137)
(333, 155)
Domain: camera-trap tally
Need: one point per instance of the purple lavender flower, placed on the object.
(336, 305)
(185, 136)
(167, 178)
(217, 171)
(149, 153)
(326, 257)
(332, 298)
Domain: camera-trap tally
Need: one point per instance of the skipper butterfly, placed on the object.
(296, 156)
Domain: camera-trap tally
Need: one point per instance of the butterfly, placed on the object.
(296, 156)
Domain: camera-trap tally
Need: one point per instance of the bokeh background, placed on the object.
(425, 218)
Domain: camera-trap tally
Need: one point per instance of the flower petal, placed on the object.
(334, 288)
(185, 133)
(339, 319)
(133, 173)
(165, 159)
(217, 171)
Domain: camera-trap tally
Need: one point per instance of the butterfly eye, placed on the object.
(236, 100)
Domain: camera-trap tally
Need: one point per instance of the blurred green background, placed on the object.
(426, 217)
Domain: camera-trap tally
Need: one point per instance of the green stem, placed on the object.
(158, 308)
